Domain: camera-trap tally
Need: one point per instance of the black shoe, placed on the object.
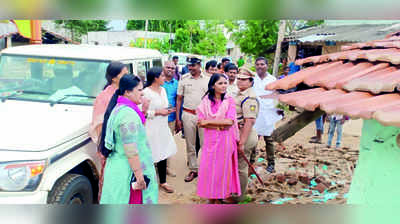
(271, 168)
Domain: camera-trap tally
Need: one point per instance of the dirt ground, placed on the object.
(305, 172)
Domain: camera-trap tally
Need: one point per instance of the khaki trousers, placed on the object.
(250, 153)
(191, 130)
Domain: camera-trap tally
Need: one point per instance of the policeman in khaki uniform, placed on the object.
(247, 108)
(191, 89)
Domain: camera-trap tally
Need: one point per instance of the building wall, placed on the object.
(376, 177)
(332, 49)
(114, 38)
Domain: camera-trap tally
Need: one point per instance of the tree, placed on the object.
(167, 26)
(213, 41)
(189, 37)
(257, 36)
(82, 27)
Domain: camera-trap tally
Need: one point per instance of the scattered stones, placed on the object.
(305, 179)
(320, 179)
(296, 166)
(292, 181)
(321, 187)
(280, 178)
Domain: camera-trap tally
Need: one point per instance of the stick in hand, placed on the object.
(251, 167)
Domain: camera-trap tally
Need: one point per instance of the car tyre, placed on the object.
(71, 189)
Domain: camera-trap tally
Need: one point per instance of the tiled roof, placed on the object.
(361, 81)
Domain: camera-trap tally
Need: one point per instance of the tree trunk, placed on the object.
(281, 35)
(295, 124)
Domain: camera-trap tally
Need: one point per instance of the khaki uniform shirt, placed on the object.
(192, 90)
(247, 109)
(232, 90)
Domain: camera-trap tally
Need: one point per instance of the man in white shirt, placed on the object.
(268, 115)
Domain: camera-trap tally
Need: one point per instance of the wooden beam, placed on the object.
(295, 124)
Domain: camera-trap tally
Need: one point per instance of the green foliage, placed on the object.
(167, 26)
(82, 27)
(246, 201)
(257, 37)
(189, 37)
(314, 22)
(213, 41)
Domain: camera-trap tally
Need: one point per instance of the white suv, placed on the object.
(47, 93)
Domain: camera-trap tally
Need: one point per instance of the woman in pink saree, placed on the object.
(218, 172)
(114, 72)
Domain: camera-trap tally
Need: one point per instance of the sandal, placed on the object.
(191, 176)
(166, 188)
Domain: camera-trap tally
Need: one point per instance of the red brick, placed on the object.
(292, 181)
(320, 179)
(280, 178)
(320, 187)
(305, 179)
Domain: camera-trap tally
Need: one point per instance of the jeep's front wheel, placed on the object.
(71, 189)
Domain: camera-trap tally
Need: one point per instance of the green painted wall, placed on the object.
(376, 179)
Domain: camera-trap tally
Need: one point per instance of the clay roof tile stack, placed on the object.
(361, 81)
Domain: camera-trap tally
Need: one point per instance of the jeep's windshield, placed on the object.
(51, 79)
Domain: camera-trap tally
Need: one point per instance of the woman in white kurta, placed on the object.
(161, 141)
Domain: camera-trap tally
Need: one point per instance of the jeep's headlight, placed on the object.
(21, 176)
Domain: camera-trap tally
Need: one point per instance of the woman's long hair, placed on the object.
(152, 74)
(127, 83)
(113, 70)
(211, 91)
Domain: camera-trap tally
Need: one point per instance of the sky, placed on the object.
(117, 25)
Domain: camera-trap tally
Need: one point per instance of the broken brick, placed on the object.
(320, 179)
(292, 181)
(280, 178)
(305, 179)
(321, 187)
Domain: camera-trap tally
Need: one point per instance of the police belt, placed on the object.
(190, 111)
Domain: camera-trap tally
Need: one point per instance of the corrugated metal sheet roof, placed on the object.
(343, 33)
(362, 82)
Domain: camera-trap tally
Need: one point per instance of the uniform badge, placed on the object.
(252, 108)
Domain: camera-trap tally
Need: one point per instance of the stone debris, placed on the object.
(313, 174)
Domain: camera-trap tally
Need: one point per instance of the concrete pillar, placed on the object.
(8, 41)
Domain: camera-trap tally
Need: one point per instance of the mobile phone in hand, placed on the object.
(133, 181)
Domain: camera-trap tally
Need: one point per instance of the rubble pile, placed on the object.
(312, 174)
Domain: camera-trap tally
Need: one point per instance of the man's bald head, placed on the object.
(169, 69)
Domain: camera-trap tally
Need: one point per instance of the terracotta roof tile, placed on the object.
(366, 107)
(331, 106)
(384, 80)
(296, 97)
(293, 80)
(388, 116)
(361, 81)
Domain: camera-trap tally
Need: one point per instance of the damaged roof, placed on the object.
(361, 81)
(343, 33)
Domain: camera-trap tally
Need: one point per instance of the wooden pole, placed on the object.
(281, 35)
(145, 34)
(295, 124)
